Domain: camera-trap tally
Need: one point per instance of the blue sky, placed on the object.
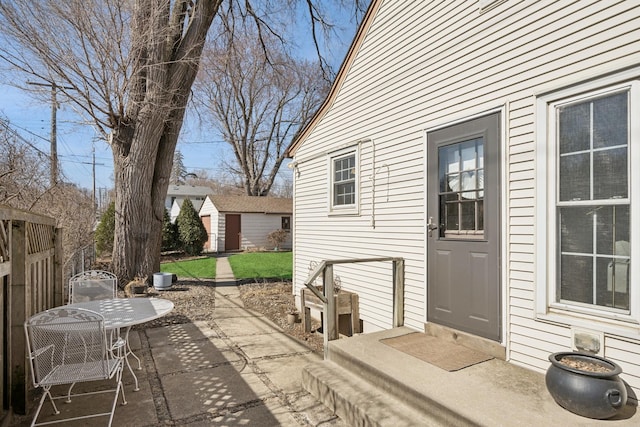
(31, 118)
(202, 148)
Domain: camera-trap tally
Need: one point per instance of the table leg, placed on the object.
(127, 352)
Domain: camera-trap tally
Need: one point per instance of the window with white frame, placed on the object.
(590, 200)
(344, 183)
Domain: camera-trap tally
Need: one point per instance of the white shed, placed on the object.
(493, 145)
(177, 205)
(243, 222)
(179, 193)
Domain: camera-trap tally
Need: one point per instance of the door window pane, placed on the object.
(468, 215)
(461, 179)
(449, 212)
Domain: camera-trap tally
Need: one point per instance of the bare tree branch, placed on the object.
(257, 103)
(132, 63)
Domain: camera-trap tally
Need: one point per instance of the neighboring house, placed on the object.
(177, 205)
(180, 192)
(495, 147)
(243, 222)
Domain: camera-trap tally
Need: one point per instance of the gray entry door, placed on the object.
(463, 215)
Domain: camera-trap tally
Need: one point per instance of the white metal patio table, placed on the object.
(123, 313)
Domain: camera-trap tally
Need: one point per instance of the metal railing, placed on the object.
(330, 318)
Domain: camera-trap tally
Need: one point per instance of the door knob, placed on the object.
(431, 226)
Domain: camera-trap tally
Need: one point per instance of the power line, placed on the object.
(78, 161)
(29, 132)
(203, 142)
(13, 132)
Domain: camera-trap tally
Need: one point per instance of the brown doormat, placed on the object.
(443, 354)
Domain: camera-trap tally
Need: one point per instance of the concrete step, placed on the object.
(368, 383)
(350, 356)
(358, 402)
(363, 394)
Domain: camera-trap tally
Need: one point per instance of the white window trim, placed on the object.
(353, 209)
(546, 307)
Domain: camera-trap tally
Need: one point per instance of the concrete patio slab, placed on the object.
(286, 372)
(213, 391)
(172, 335)
(270, 414)
(138, 411)
(265, 414)
(235, 326)
(269, 345)
(192, 356)
(234, 312)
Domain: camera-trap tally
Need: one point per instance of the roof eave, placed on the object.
(340, 77)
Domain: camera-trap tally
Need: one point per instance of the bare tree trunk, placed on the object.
(143, 147)
(142, 179)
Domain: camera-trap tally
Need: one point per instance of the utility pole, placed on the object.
(54, 121)
(95, 201)
(93, 174)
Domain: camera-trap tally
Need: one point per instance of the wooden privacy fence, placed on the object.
(31, 280)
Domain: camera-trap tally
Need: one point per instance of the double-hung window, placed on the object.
(344, 182)
(590, 140)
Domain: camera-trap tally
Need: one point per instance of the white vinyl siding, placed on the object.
(423, 65)
(255, 228)
(216, 238)
(175, 210)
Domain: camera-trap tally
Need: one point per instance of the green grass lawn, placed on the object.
(254, 265)
(262, 265)
(202, 268)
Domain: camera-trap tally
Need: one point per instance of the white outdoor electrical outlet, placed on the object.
(588, 341)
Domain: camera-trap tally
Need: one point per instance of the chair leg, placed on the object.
(122, 357)
(120, 386)
(46, 392)
(69, 393)
(119, 390)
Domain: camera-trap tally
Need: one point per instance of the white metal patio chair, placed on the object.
(68, 346)
(92, 285)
